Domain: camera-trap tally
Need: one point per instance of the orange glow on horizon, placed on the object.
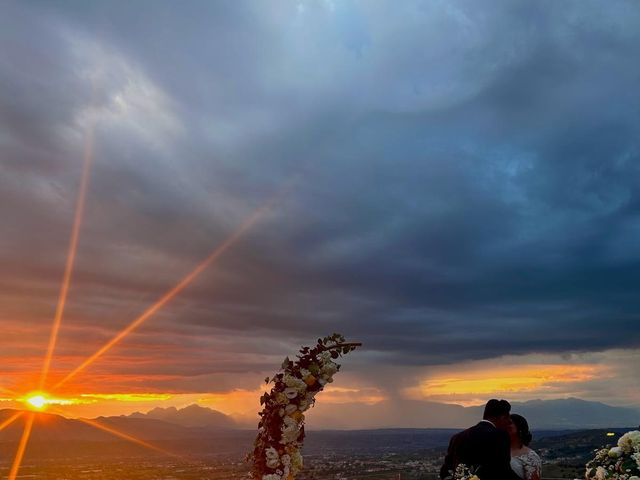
(503, 380)
(246, 225)
(41, 401)
(125, 397)
(7, 391)
(71, 255)
(24, 440)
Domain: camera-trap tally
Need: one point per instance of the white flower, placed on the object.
(324, 357)
(281, 398)
(291, 393)
(289, 409)
(289, 424)
(273, 462)
(601, 473)
(636, 457)
(271, 453)
(286, 460)
(329, 369)
(296, 461)
(290, 430)
(629, 441)
(615, 452)
(634, 478)
(322, 382)
(293, 382)
(271, 476)
(304, 373)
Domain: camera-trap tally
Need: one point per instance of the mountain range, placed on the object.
(562, 414)
(191, 416)
(196, 422)
(570, 413)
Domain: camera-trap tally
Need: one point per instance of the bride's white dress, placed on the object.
(527, 465)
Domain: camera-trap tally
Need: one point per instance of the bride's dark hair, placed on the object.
(523, 428)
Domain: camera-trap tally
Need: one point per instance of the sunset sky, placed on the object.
(456, 185)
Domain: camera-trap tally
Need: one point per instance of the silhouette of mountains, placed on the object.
(570, 413)
(51, 428)
(195, 422)
(191, 416)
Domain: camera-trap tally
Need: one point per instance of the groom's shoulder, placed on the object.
(485, 430)
(482, 426)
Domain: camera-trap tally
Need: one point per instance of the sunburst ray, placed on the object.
(22, 446)
(71, 255)
(10, 420)
(128, 437)
(229, 242)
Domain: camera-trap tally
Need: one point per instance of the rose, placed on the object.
(296, 460)
(615, 452)
(293, 382)
(324, 357)
(629, 441)
(329, 370)
(290, 430)
(273, 463)
(291, 393)
(271, 453)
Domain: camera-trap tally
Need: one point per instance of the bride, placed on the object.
(524, 461)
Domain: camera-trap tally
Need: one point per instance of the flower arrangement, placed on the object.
(276, 454)
(463, 472)
(621, 462)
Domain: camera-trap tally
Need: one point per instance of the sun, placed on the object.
(37, 400)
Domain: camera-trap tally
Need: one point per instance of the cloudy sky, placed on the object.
(454, 184)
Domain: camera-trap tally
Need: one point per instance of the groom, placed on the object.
(485, 447)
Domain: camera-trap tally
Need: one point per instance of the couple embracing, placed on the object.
(494, 449)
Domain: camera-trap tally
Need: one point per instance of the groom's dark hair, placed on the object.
(496, 408)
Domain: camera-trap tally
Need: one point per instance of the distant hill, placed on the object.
(54, 436)
(52, 428)
(574, 413)
(191, 416)
(570, 413)
(576, 447)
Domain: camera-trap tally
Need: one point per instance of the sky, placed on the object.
(453, 184)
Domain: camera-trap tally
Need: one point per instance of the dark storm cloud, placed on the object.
(464, 177)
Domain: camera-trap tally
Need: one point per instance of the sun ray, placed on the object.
(230, 241)
(71, 255)
(24, 440)
(10, 420)
(128, 437)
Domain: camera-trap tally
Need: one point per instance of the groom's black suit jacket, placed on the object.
(482, 447)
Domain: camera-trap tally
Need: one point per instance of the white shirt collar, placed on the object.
(489, 421)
